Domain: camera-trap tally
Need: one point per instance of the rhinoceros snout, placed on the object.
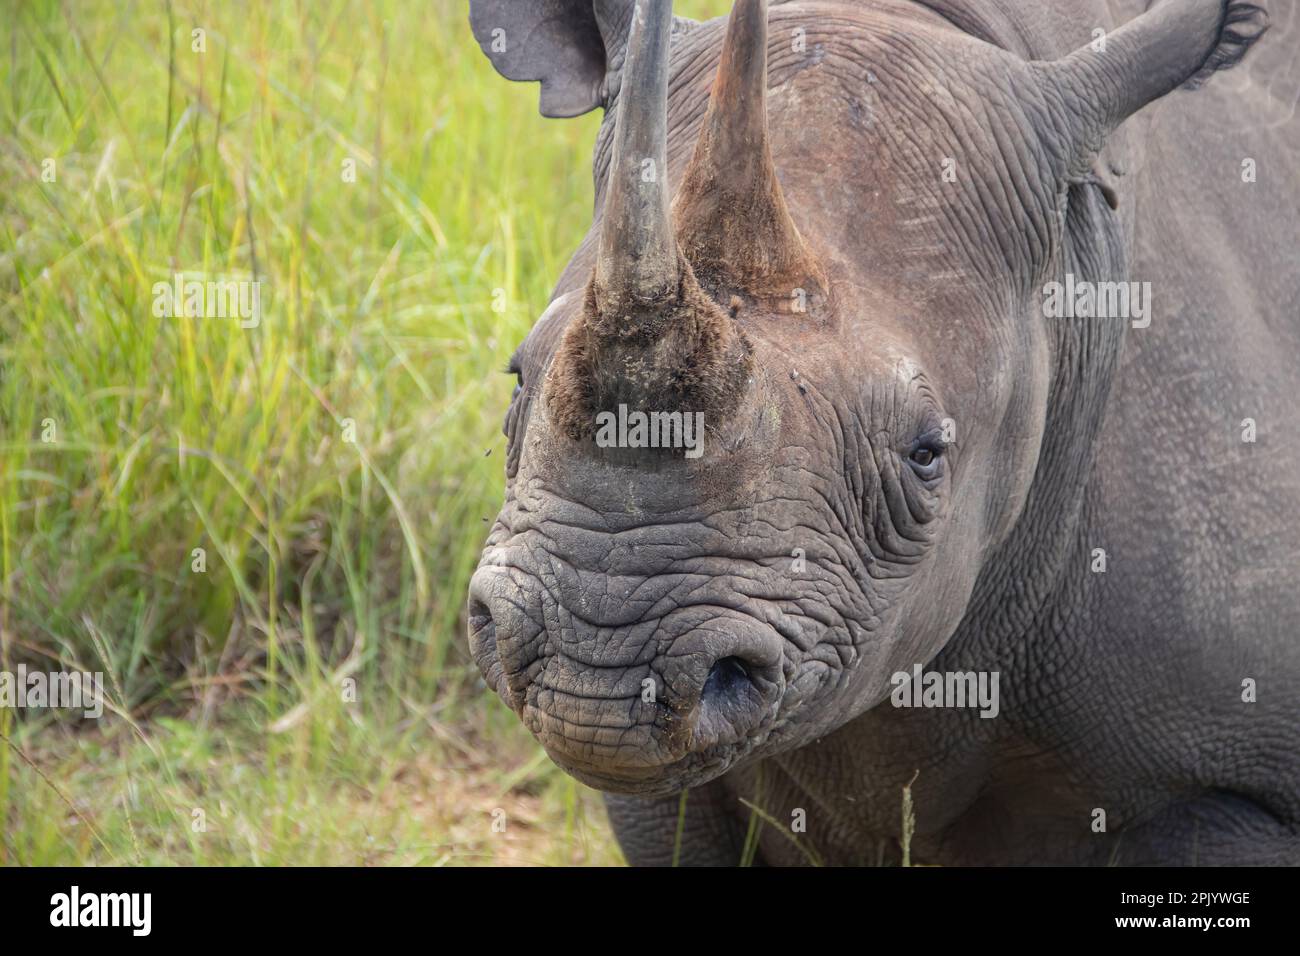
(622, 707)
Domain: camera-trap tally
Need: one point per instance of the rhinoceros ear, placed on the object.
(1177, 43)
(572, 47)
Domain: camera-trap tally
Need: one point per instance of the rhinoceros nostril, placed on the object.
(733, 701)
(727, 678)
(483, 647)
(481, 629)
(483, 638)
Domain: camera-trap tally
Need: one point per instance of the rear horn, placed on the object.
(732, 222)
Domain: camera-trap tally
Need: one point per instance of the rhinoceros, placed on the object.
(986, 548)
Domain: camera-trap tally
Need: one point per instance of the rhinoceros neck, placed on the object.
(1040, 569)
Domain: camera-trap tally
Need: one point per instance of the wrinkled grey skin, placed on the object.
(1120, 691)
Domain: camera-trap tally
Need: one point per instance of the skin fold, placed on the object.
(920, 467)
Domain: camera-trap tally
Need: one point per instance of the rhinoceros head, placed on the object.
(814, 276)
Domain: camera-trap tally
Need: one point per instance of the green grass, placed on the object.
(127, 440)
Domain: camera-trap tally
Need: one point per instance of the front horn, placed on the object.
(637, 261)
(649, 336)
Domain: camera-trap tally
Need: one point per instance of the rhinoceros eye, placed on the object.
(925, 461)
(514, 369)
